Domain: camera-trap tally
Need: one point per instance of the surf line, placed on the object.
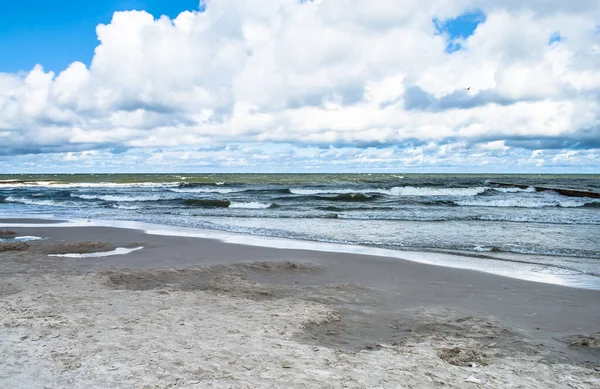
(562, 191)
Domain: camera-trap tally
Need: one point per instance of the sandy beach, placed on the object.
(200, 313)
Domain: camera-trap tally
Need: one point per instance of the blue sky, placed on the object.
(459, 28)
(57, 33)
(283, 85)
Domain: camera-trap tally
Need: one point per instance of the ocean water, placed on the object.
(466, 214)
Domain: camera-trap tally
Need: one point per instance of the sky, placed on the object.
(300, 86)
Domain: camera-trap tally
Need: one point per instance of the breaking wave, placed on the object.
(117, 198)
(204, 190)
(530, 189)
(23, 200)
(529, 202)
(312, 192)
(398, 191)
(350, 197)
(428, 191)
(250, 205)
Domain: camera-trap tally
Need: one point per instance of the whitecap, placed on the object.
(204, 190)
(125, 207)
(397, 191)
(308, 192)
(520, 202)
(22, 200)
(250, 205)
(117, 198)
(428, 191)
(529, 189)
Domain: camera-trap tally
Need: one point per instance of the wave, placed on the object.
(351, 197)
(250, 205)
(266, 191)
(227, 204)
(125, 207)
(415, 191)
(331, 209)
(312, 192)
(529, 189)
(207, 203)
(529, 203)
(204, 190)
(53, 184)
(429, 191)
(117, 198)
(22, 200)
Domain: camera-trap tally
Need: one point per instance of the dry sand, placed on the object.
(293, 320)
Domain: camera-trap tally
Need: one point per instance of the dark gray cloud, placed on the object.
(150, 106)
(554, 143)
(52, 149)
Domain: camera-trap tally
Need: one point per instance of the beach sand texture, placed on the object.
(197, 313)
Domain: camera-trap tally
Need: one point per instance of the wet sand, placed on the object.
(192, 312)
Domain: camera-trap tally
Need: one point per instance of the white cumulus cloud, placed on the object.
(335, 82)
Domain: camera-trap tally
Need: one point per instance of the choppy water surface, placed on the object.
(396, 211)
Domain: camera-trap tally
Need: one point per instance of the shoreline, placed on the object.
(510, 265)
(197, 312)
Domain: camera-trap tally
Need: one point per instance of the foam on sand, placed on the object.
(21, 239)
(117, 251)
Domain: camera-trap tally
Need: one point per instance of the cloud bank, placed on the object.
(319, 85)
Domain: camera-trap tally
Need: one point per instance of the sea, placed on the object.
(468, 217)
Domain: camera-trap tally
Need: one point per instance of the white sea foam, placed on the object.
(309, 192)
(537, 202)
(398, 191)
(117, 251)
(22, 200)
(428, 191)
(126, 207)
(205, 190)
(250, 205)
(21, 239)
(529, 189)
(27, 238)
(116, 198)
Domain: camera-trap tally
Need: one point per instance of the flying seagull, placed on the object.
(469, 88)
